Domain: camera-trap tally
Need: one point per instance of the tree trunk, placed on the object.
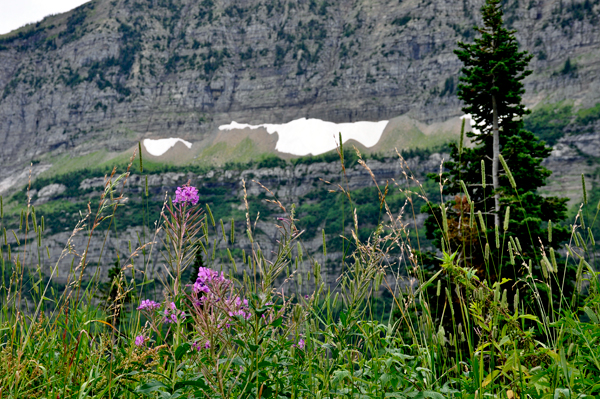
(495, 159)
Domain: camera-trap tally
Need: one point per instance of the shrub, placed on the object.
(588, 116)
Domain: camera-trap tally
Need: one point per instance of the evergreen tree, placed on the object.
(114, 297)
(491, 89)
(198, 263)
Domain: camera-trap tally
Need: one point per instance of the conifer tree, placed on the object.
(491, 88)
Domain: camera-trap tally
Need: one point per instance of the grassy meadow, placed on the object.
(266, 325)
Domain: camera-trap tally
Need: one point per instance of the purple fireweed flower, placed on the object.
(239, 307)
(300, 344)
(206, 278)
(171, 314)
(140, 340)
(186, 195)
(148, 304)
(206, 275)
(199, 345)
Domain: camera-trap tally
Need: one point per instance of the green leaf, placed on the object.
(238, 361)
(192, 383)
(429, 394)
(560, 393)
(277, 322)
(182, 350)
(591, 314)
(151, 386)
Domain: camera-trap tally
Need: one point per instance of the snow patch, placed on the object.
(314, 136)
(160, 146)
(472, 123)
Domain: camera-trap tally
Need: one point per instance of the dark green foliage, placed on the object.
(206, 11)
(248, 54)
(114, 300)
(401, 21)
(71, 78)
(131, 40)
(313, 30)
(569, 68)
(542, 55)
(271, 162)
(494, 66)
(548, 122)
(588, 116)
(75, 23)
(420, 152)
(235, 11)
(213, 60)
(22, 35)
(280, 53)
(449, 87)
(569, 12)
(97, 70)
(10, 87)
(171, 63)
(198, 263)
(318, 7)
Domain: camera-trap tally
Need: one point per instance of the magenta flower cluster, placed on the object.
(186, 195)
(148, 304)
(172, 314)
(301, 344)
(140, 340)
(201, 345)
(206, 278)
(212, 287)
(240, 308)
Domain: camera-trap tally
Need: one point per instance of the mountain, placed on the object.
(94, 81)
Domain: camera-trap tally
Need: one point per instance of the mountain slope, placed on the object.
(112, 72)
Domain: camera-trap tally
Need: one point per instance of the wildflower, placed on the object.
(206, 277)
(300, 344)
(186, 195)
(172, 314)
(140, 340)
(239, 307)
(148, 304)
(199, 346)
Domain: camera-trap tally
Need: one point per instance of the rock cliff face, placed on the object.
(305, 185)
(63, 199)
(112, 72)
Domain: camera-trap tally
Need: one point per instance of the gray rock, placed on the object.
(133, 70)
(51, 190)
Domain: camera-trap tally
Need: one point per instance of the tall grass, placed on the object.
(267, 325)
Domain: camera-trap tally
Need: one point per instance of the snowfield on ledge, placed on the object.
(160, 146)
(314, 136)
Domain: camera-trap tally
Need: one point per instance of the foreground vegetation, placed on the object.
(273, 325)
(509, 307)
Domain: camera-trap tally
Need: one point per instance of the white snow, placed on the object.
(314, 136)
(160, 146)
(472, 123)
